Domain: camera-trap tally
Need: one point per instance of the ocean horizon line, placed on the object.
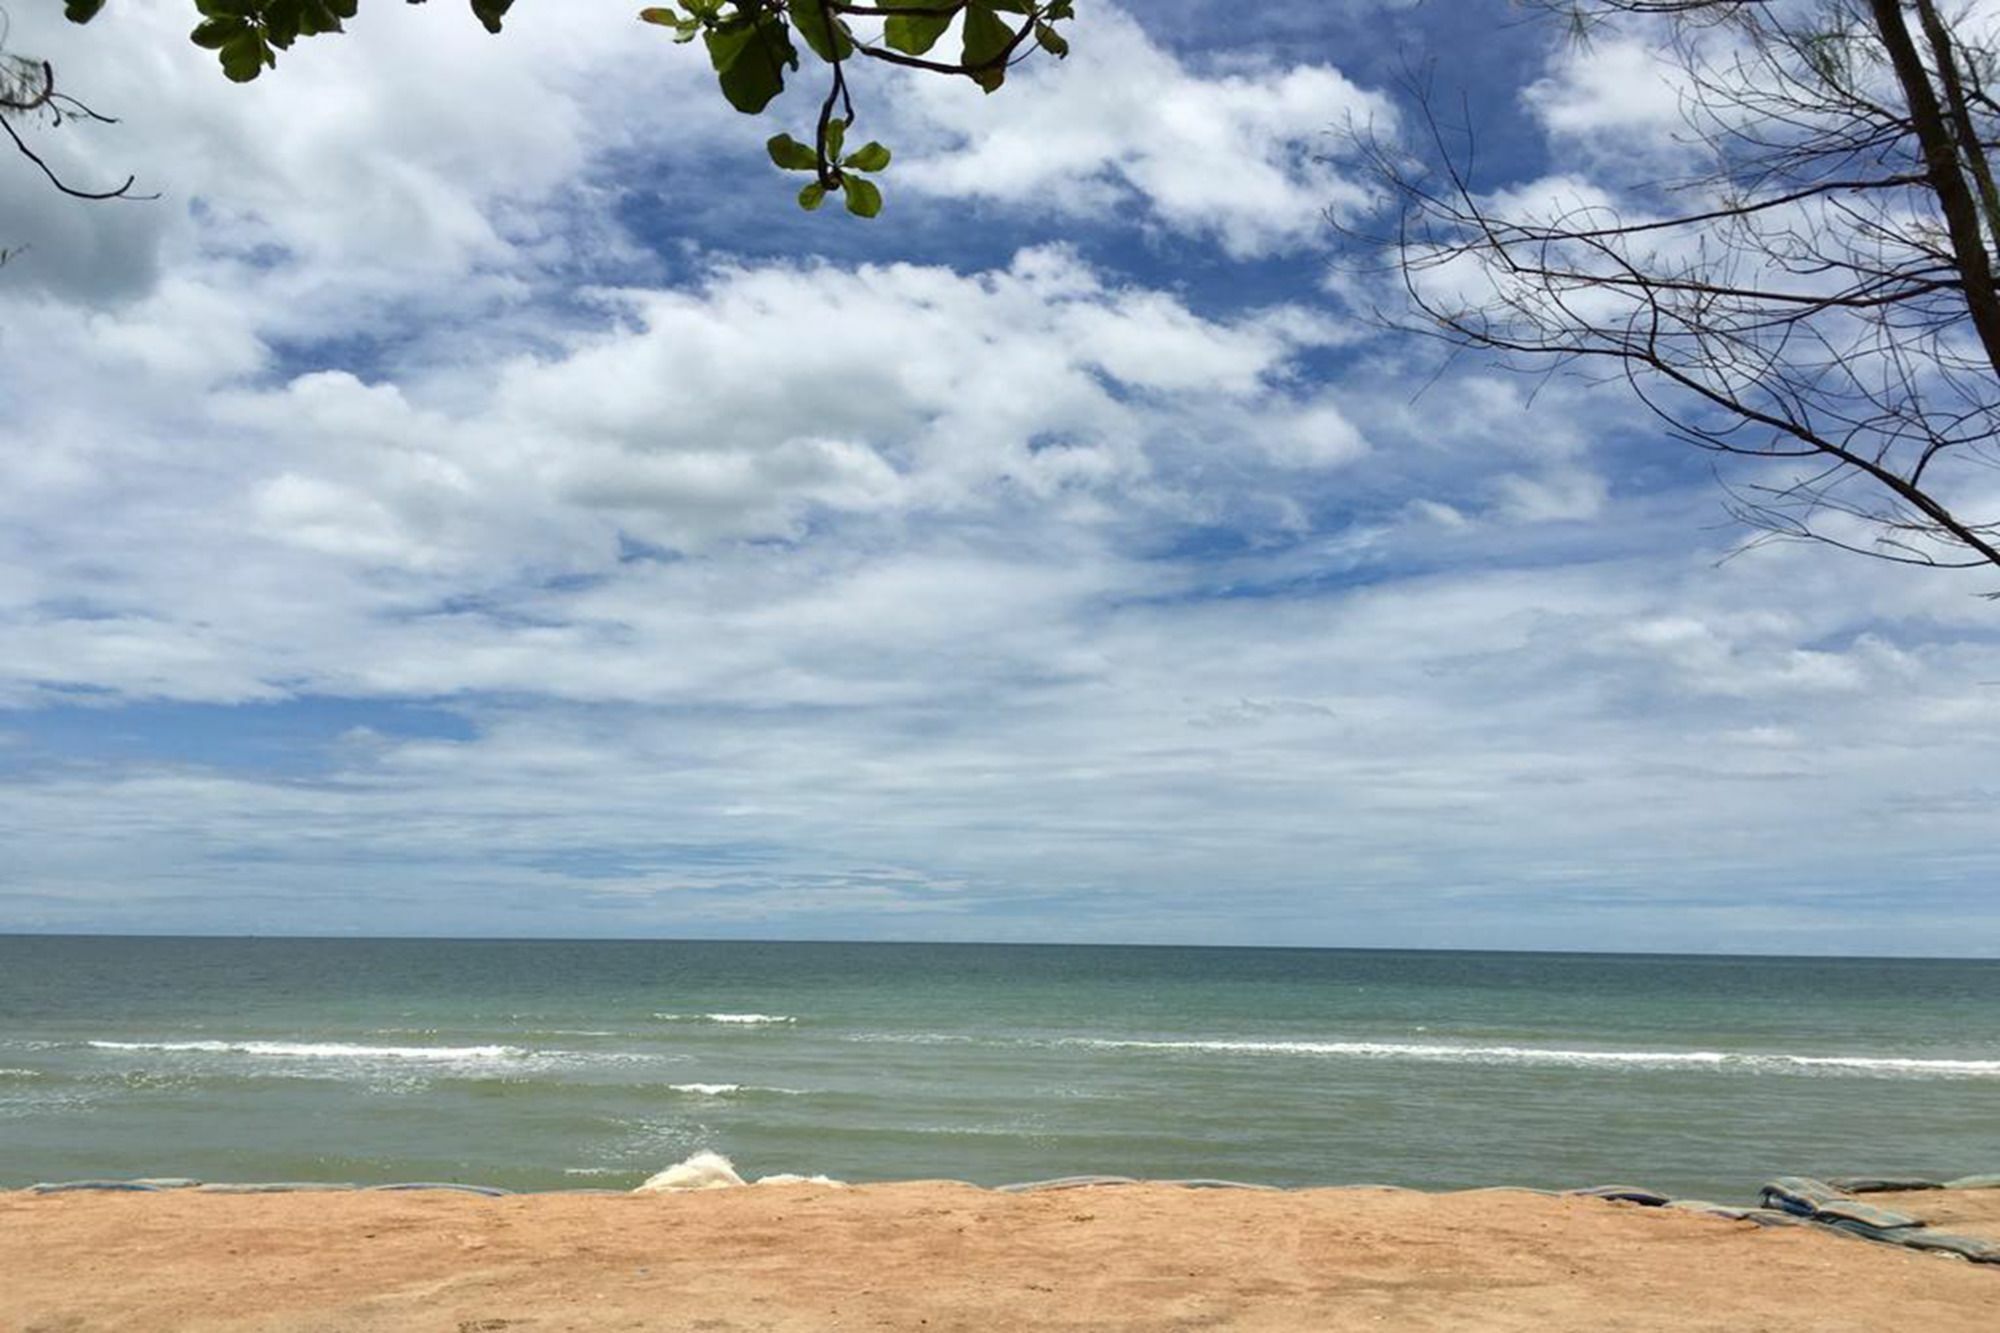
(357, 938)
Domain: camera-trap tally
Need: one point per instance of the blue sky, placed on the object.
(473, 501)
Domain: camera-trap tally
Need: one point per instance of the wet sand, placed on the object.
(943, 1257)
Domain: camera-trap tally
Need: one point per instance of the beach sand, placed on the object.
(940, 1257)
(1962, 1212)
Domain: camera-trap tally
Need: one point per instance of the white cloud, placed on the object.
(391, 153)
(739, 408)
(760, 403)
(1616, 85)
(1558, 495)
(1244, 158)
(1486, 746)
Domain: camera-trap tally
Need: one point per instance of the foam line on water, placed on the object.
(1775, 1062)
(324, 1050)
(740, 1020)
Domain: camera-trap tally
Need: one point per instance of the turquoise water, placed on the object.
(548, 1065)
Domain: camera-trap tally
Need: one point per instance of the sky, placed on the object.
(473, 500)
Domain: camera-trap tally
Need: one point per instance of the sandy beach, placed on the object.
(939, 1256)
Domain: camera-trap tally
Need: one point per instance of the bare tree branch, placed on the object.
(1821, 292)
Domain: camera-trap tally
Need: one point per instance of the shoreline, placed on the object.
(937, 1255)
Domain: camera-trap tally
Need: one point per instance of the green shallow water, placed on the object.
(548, 1065)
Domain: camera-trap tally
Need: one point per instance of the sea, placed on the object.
(547, 1065)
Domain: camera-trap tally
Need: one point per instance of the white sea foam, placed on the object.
(912, 1038)
(1895, 1065)
(712, 1171)
(327, 1050)
(748, 1020)
(703, 1171)
(20, 1073)
(731, 1090)
(1776, 1062)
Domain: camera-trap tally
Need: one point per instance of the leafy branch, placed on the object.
(752, 45)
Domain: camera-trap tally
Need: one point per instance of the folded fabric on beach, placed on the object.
(1763, 1217)
(1865, 1214)
(1919, 1237)
(1626, 1194)
(1066, 1183)
(1973, 1248)
(1799, 1194)
(1882, 1184)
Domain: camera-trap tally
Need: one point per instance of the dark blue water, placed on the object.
(561, 1064)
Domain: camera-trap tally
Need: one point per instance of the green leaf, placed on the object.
(751, 84)
(727, 42)
(751, 60)
(829, 41)
(812, 196)
(987, 37)
(836, 136)
(1051, 41)
(871, 156)
(863, 199)
(914, 34)
(281, 25)
(82, 11)
(490, 12)
(790, 154)
(684, 28)
(318, 16)
(244, 56)
(212, 33)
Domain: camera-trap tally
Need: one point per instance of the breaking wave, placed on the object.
(731, 1090)
(746, 1020)
(1880, 1066)
(327, 1050)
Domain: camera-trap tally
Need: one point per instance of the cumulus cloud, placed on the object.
(753, 405)
(414, 146)
(1615, 85)
(1246, 158)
